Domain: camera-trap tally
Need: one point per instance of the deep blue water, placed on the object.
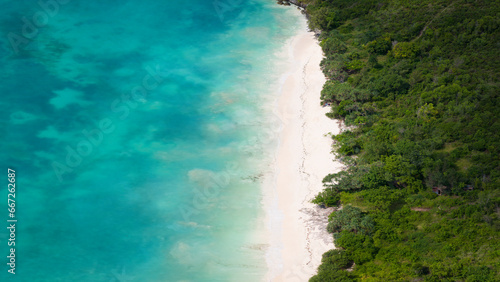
(131, 127)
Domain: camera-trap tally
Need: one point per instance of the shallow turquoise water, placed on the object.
(132, 128)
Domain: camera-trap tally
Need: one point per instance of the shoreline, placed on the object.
(298, 236)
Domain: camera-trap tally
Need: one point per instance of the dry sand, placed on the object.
(298, 236)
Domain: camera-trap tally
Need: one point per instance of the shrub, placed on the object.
(327, 197)
(351, 219)
(333, 45)
(379, 46)
(354, 65)
(337, 257)
(405, 50)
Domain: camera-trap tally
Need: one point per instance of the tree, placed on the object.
(351, 219)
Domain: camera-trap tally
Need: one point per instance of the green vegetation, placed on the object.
(417, 84)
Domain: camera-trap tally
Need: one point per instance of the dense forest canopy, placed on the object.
(416, 83)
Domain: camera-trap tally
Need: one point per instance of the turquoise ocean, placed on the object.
(137, 132)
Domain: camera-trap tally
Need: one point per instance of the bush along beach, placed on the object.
(416, 85)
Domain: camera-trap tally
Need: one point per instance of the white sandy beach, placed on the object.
(298, 227)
